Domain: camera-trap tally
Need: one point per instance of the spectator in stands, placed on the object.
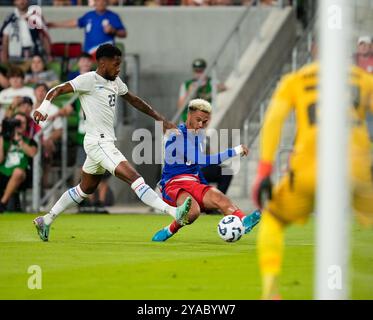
(20, 39)
(193, 3)
(15, 153)
(260, 2)
(24, 105)
(101, 26)
(62, 2)
(38, 73)
(85, 63)
(200, 3)
(16, 89)
(364, 56)
(52, 131)
(4, 82)
(204, 90)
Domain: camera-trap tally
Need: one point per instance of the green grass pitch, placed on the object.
(112, 257)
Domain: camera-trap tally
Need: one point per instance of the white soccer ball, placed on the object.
(230, 228)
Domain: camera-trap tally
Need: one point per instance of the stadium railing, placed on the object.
(301, 54)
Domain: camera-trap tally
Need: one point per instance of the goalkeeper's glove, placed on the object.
(262, 188)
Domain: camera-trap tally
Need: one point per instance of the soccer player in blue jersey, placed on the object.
(182, 176)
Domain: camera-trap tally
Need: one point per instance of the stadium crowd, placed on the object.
(150, 2)
(30, 65)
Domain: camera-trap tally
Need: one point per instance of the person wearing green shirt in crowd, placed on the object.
(204, 90)
(15, 153)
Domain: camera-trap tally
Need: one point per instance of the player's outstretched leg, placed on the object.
(149, 197)
(168, 231)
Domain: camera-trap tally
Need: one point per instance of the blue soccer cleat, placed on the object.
(162, 235)
(250, 221)
(42, 228)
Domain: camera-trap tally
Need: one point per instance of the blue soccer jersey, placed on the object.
(93, 24)
(185, 154)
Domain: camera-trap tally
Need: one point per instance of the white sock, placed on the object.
(150, 198)
(70, 198)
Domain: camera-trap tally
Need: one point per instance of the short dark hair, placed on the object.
(42, 84)
(27, 100)
(15, 72)
(107, 51)
(85, 55)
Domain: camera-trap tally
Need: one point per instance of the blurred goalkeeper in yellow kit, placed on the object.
(292, 199)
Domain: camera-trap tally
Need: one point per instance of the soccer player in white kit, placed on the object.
(98, 91)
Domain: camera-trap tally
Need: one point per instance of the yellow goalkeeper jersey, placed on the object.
(298, 92)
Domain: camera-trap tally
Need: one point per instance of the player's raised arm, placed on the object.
(41, 113)
(144, 107)
(219, 158)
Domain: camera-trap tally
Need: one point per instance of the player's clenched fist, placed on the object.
(262, 189)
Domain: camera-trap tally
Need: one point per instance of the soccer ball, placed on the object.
(230, 228)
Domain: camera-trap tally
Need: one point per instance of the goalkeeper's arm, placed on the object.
(41, 113)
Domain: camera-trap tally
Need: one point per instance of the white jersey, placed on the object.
(98, 99)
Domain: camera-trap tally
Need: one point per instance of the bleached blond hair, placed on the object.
(200, 104)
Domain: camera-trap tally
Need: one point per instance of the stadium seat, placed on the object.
(65, 51)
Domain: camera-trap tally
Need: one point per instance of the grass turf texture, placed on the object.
(112, 257)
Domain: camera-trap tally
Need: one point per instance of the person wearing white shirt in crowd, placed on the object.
(16, 90)
(24, 33)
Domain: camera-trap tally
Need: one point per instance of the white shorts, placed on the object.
(101, 156)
